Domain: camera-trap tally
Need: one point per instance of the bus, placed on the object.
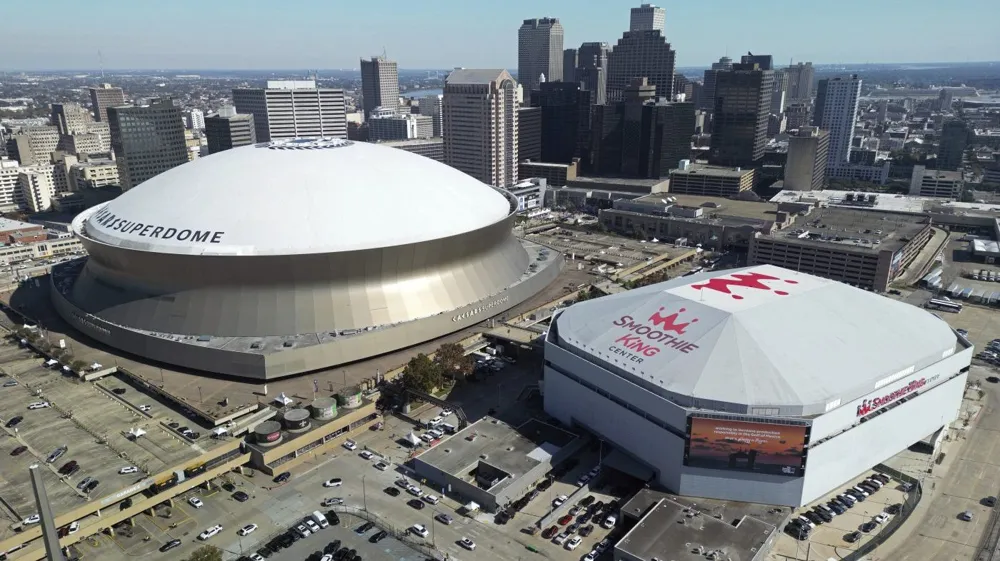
(945, 305)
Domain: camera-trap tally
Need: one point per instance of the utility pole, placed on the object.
(364, 491)
(49, 534)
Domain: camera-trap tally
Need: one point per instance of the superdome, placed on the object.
(755, 337)
(295, 255)
(297, 196)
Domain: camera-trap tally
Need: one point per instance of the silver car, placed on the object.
(56, 454)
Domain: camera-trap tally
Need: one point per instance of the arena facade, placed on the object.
(758, 384)
(296, 255)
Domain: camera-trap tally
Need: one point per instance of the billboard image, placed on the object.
(743, 446)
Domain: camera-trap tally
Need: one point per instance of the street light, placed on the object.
(364, 491)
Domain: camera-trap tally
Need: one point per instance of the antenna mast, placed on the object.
(100, 61)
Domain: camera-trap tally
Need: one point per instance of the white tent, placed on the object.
(472, 507)
(283, 399)
(136, 432)
(413, 439)
(96, 366)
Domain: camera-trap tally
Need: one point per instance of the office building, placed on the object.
(951, 147)
(293, 109)
(570, 62)
(764, 62)
(480, 126)
(147, 140)
(936, 183)
(87, 145)
(432, 148)
(565, 117)
(647, 17)
(529, 132)
(592, 70)
(93, 174)
(642, 137)
(555, 175)
(104, 96)
(779, 94)
(641, 54)
(379, 85)
(33, 145)
(836, 111)
(710, 181)
(742, 107)
(386, 125)
(800, 82)
(797, 115)
(37, 189)
(808, 151)
(539, 52)
(707, 100)
(430, 105)
(70, 118)
(194, 119)
(227, 132)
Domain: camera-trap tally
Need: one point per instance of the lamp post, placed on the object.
(364, 491)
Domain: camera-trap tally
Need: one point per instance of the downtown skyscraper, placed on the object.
(293, 109)
(592, 70)
(641, 54)
(836, 111)
(647, 17)
(539, 52)
(379, 85)
(800, 80)
(147, 140)
(707, 101)
(480, 125)
(742, 107)
(104, 96)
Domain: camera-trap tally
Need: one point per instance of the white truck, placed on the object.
(318, 517)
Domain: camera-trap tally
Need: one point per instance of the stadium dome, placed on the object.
(758, 336)
(297, 196)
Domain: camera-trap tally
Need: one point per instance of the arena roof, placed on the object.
(757, 336)
(294, 197)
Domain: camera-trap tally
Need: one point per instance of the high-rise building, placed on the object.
(800, 82)
(33, 145)
(797, 115)
(780, 93)
(480, 126)
(945, 99)
(808, 151)
(641, 54)
(707, 101)
(529, 132)
(539, 52)
(104, 96)
(70, 118)
(647, 17)
(565, 112)
(293, 109)
(225, 132)
(836, 111)
(194, 119)
(642, 136)
(570, 62)
(379, 84)
(386, 125)
(147, 140)
(742, 107)
(951, 148)
(765, 62)
(592, 70)
(430, 105)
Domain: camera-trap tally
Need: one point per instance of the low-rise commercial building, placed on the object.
(44, 249)
(432, 148)
(530, 193)
(862, 248)
(936, 183)
(557, 175)
(712, 181)
(93, 174)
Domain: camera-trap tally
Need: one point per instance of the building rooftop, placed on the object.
(670, 530)
(867, 230)
(716, 208)
(512, 450)
(475, 76)
(7, 224)
(716, 171)
(942, 175)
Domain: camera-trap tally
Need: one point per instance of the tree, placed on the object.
(78, 365)
(453, 361)
(206, 553)
(422, 374)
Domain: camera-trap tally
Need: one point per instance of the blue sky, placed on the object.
(299, 34)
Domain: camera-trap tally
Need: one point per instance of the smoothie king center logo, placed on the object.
(870, 405)
(755, 281)
(658, 332)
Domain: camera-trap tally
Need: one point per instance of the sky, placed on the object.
(332, 34)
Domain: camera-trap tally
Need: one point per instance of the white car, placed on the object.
(33, 519)
(350, 445)
(881, 518)
(573, 543)
(415, 491)
(402, 483)
(467, 544)
(210, 532)
(145, 408)
(257, 557)
(446, 412)
(74, 526)
(432, 499)
(128, 469)
(590, 556)
(39, 405)
(559, 500)
(196, 502)
(327, 557)
(248, 529)
(560, 539)
(381, 466)
(303, 531)
(427, 437)
(366, 454)
(332, 501)
(420, 530)
(313, 526)
(609, 522)
(335, 482)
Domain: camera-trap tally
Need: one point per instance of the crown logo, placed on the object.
(669, 323)
(745, 280)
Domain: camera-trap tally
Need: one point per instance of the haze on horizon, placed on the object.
(224, 34)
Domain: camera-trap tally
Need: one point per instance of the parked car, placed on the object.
(881, 518)
(852, 537)
(560, 539)
(432, 499)
(335, 482)
(381, 466)
(444, 519)
(56, 454)
(378, 536)
(363, 529)
(867, 527)
(573, 543)
(210, 532)
(549, 532)
(366, 455)
(240, 496)
(68, 467)
(33, 519)
(14, 421)
(350, 445)
(391, 491)
(119, 391)
(195, 502)
(988, 501)
(282, 477)
(39, 405)
(966, 516)
(19, 450)
(170, 545)
(128, 469)
(565, 519)
(467, 544)
(416, 503)
(419, 530)
(248, 529)
(332, 501)
(609, 521)
(559, 500)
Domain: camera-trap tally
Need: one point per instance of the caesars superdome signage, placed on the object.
(110, 221)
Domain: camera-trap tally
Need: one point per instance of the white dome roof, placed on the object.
(297, 196)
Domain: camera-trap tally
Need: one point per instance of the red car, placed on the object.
(566, 519)
(550, 532)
